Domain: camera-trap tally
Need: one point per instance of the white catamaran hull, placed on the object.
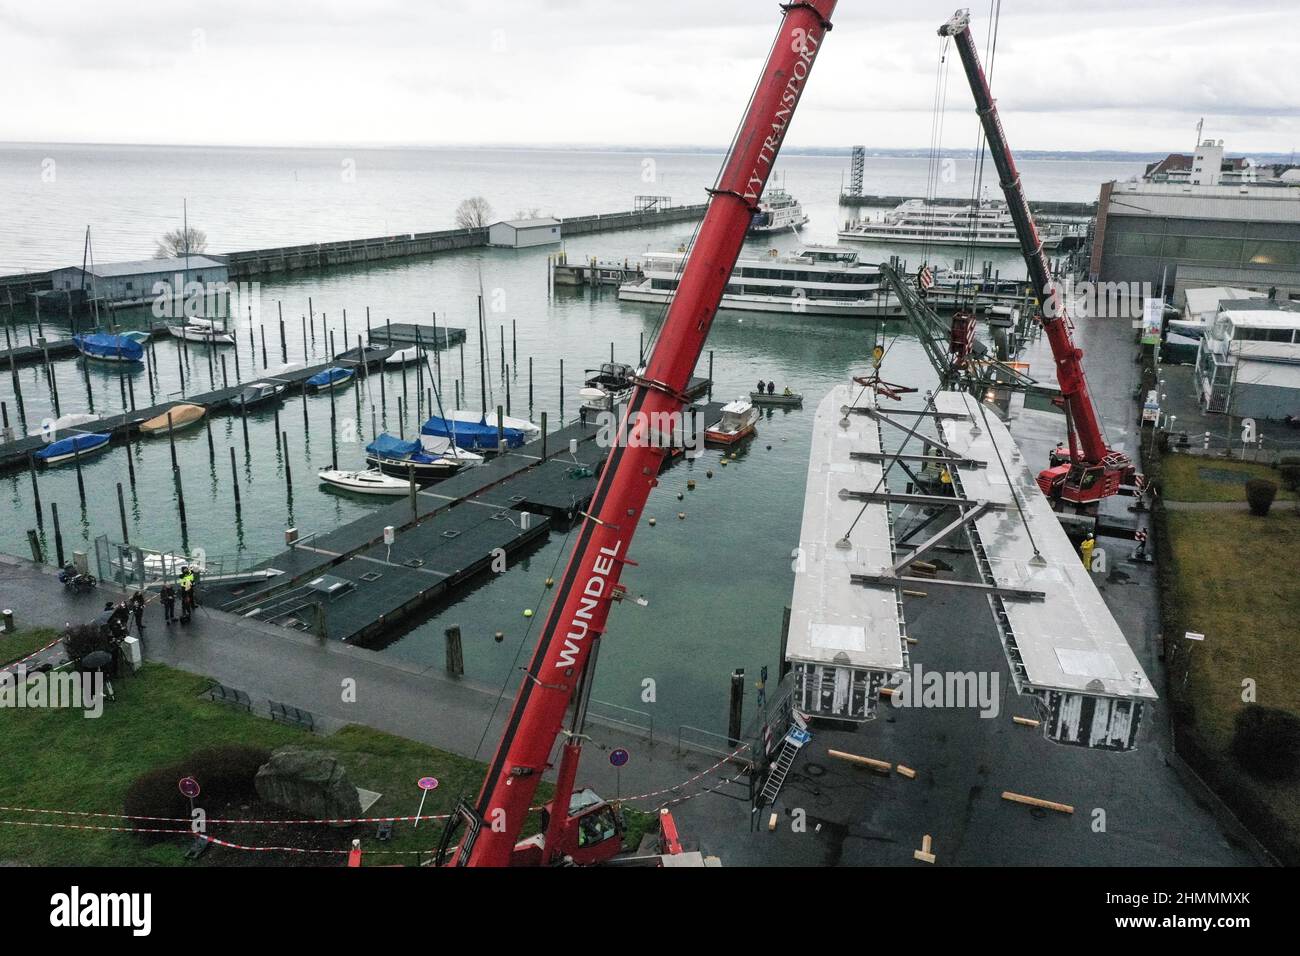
(855, 308)
(983, 242)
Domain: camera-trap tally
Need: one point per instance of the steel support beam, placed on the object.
(908, 581)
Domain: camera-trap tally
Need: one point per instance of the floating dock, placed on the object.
(349, 585)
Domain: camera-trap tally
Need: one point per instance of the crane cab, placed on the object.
(1080, 484)
(592, 834)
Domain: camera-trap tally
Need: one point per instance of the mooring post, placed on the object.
(212, 449)
(507, 389)
(640, 351)
(288, 469)
(530, 386)
(334, 442)
(130, 394)
(514, 343)
(455, 654)
(543, 436)
(345, 328)
(81, 484)
(284, 348)
(225, 382)
(501, 431)
(171, 437)
(415, 505)
(234, 341)
(437, 354)
(234, 476)
(561, 393)
(311, 321)
(277, 429)
(736, 706)
(401, 418)
(243, 420)
(262, 333)
(305, 357)
(34, 542)
(36, 491)
(150, 364)
(130, 460)
(58, 534)
(710, 373)
(121, 513)
(356, 389)
(303, 391)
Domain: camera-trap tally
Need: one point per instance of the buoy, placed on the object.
(680, 496)
(709, 473)
(690, 485)
(769, 447)
(652, 522)
(681, 516)
(528, 612)
(723, 463)
(499, 636)
(550, 582)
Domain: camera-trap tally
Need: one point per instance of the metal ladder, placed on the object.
(780, 768)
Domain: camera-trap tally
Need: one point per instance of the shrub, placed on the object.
(1260, 493)
(225, 775)
(82, 639)
(1290, 477)
(1266, 742)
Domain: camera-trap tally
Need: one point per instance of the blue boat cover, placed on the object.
(65, 446)
(109, 346)
(332, 374)
(390, 446)
(471, 435)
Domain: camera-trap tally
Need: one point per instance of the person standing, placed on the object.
(137, 611)
(771, 388)
(762, 386)
(1085, 551)
(168, 597)
(187, 595)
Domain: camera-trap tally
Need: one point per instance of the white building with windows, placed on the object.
(1249, 363)
(522, 233)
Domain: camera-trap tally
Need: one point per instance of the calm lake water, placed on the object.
(714, 584)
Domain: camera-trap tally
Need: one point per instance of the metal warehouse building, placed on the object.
(133, 283)
(1190, 236)
(521, 233)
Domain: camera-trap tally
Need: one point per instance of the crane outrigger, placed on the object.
(1089, 470)
(579, 827)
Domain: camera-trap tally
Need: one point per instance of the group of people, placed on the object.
(186, 587)
(769, 388)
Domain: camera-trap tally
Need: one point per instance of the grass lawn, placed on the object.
(1233, 579)
(1187, 478)
(20, 643)
(59, 759)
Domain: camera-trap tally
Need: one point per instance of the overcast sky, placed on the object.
(1090, 74)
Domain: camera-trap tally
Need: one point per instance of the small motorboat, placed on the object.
(358, 354)
(429, 457)
(610, 386)
(51, 427)
(104, 347)
(372, 481)
(72, 447)
(201, 330)
(180, 416)
(404, 357)
(786, 398)
(334, 376)
(737, 421)
(256, 393)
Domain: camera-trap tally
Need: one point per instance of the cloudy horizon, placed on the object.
(1096, 76)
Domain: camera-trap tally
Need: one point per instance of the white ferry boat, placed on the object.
(988, 224)
(817, 280)
(777, 212)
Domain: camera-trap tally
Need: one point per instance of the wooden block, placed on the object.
(907, 772)
(771, 822)
(912, 640)
(907, 593)
(924, 854)
(1026, 721)
(888, 691)
(879, 766)
(924, 566)
(1035, 802)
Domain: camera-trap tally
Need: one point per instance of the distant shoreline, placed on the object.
(1099, 156)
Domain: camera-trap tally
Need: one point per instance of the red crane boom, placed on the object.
(577, 618)
(1094, 471)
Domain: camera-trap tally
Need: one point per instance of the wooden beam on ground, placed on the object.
(907, 772)
(1026, 721)
(924, 854)
(879, 766)
(1035, 802)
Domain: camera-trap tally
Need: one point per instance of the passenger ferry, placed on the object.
(988, 224)
(816, 280)
(777, 212)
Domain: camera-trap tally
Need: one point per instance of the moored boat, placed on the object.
(786, 398)
(201, 330)
(50, 428)
(335, 375)
(181, 416)
(371, 481)
(737, 421)
(105, 347)
(428, 457)
(404, 357)
(256, 393)
(74, 446)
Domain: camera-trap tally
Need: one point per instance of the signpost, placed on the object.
(617, 758)
(425, 784)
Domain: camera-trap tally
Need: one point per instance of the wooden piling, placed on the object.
(234, 476)
(284, 348)
(262, 332)
(455, 653)
(81, 484)
(736, 705)
(288, 469)
(36, 491)
(58, 533)
(121, 513)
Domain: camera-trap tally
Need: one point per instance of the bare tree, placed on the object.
(473, 213)
(182, 242)
(533, 213)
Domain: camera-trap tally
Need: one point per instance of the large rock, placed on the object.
(310, 782)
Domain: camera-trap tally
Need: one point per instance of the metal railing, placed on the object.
(647, 726)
